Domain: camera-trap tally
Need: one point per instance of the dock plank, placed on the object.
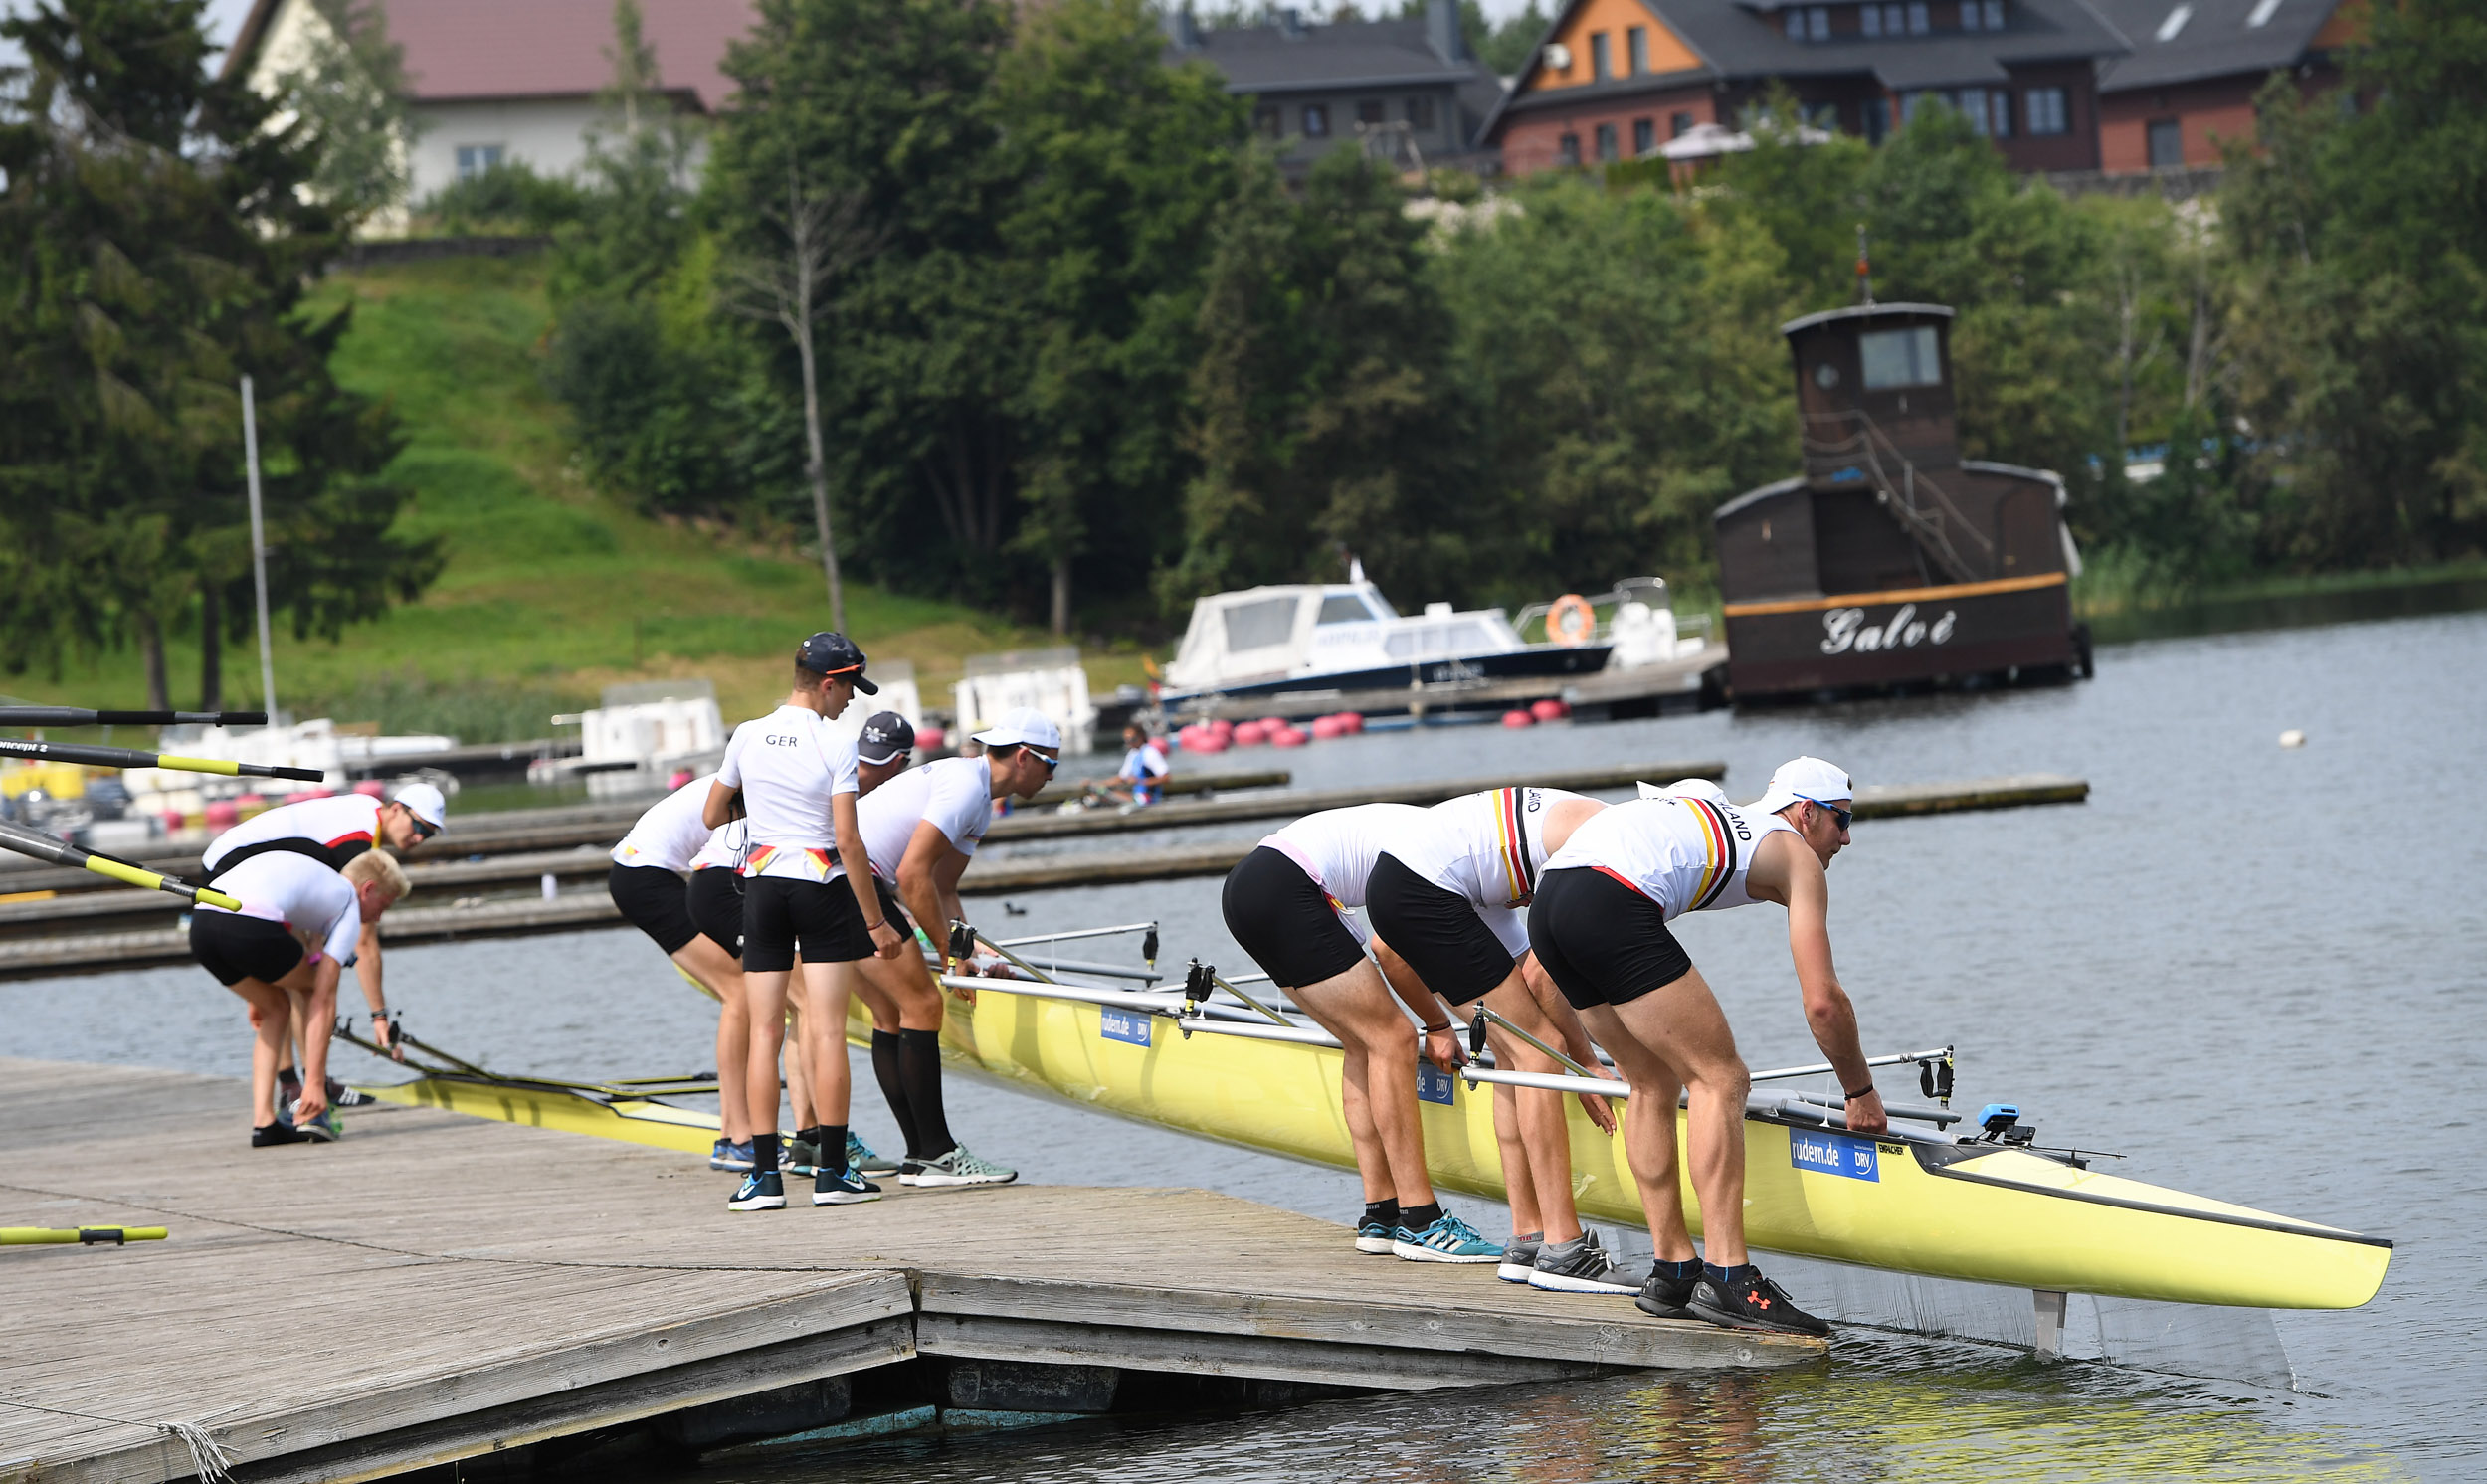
(435, 1284)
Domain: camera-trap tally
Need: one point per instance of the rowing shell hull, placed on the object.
(1973, 1212)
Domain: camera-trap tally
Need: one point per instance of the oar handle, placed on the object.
(45, 1236)
(74, 716)
(122, 757)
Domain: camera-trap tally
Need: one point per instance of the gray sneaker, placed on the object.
(799, 1155)
(1519, 1256)
(959, 1168)
(1583, 1266)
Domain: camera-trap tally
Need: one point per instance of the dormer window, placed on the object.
(1813, 23)
(1869, 19)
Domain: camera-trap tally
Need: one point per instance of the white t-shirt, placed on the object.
(1144, 762)
(1680, 850)
(307, 898)
(1337, 849)
(726, 848)
(788, 764)
(955, 794)
(1486, 846)
(672, 833)
(340, 821)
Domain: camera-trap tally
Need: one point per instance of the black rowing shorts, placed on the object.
(714, 899)
(1276, 914)
(1437, 930)
(235, 948)
(652, 897)
(779, 913)
(1602, 942)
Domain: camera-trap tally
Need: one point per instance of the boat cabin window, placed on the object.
(1900, 358)
(1344, 608)
(1436, 641)
(1258, 625)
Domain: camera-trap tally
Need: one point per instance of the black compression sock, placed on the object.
(893, 1087)
(920, 1068)
(764, 1152)
(1418, 1218)
(1384, 1211)
(1725, 1275)
(817, 1136)
(1690, 1267)
(833, 1150)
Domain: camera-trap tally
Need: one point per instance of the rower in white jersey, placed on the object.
(1600, 928)
(797, 780)
(333, 830)
(1448, 899)
(920, 830)
(300, 919)
(1286, 905)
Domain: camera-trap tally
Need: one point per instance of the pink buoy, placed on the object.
(1250, 734)
(930, 738)
(1549, 709)
(222, 814)
(1209, 744)
(371, 788)
(1517, 719)
(1353, 721)
(1326, 727)
(173, 821)
(1288, 737)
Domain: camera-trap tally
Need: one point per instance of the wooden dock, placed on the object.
(436, 1288)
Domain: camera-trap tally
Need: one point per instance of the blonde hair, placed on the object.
(380, 868)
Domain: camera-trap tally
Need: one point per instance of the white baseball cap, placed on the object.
(1025, 726)
(425, 802)
(1804, 779)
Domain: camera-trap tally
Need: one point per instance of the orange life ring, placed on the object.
(1571, 622)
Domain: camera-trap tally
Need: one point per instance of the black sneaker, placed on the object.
(1663, 1297)
(761, 1190)
(1752, 1301)
(343, 1096)
(276, 1133)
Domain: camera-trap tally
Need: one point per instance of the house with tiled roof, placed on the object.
(2186, 88)
(1616, 80)
(1404, 88)
(504, 80)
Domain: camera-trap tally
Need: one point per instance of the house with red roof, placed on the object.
(497, 82)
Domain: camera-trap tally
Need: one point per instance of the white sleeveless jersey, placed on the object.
(332, 823)
(1337, 846)
(671, 834)
(1488, 848)
(1683, 851)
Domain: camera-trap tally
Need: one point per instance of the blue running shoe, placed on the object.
(735, 1156)
(859, 1156)
(1448, 1239)
(761, 1190)
(1373, 1238)
(845, 1187)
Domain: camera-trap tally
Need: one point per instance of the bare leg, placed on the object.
(1520, 1186)
(1543, 1134)
(824, 990)
(716, 971)
(764, 1001)
(798, 1059)
(1358, 1008)
(271, 1021)
(1360, 1134)
(900, 992)
(1674, 1033)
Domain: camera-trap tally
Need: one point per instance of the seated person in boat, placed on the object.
(1598, 927)
(301, 921)
(1449, 898)
(1286, 905)
(1142, 778)
(920, 830)
(796, 779)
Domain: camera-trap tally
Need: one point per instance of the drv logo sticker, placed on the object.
(1123, 1025)
(1826, 1153)
(1845, 628)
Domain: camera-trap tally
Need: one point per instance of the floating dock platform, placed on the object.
(439, 1288)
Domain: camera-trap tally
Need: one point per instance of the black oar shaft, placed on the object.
(74, 716)
(122, 757)
(60, 853)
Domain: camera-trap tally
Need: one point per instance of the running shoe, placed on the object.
(343, 1096)
(734, 1156)
(761, 1190)
(798, 1156)
(1448, 1239)
(959, 1168)
(268, 1134)
(1519, 1256)
(328, 1128)
(1583, 1266)
(845, 1187)
(1750, 1301)
(1663, 1297)
(1373, 1238)
(862, 1155)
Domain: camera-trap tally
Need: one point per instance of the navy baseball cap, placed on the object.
(885, 739)
(826, 653)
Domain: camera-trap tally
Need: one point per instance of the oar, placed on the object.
(44, 1236)
(122, 757)
(59, 853)
(72, 716)
(1477, 1040)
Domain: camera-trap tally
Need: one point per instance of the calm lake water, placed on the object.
(2257, 972)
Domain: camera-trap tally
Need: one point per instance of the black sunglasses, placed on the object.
(1049, 763)
(1844, 815)
(424, 829)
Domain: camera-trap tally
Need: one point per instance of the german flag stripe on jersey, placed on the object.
(1719, 842)
(1511, 841)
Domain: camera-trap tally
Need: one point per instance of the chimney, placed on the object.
(1290, 21)
(1441, 30)
(1182, 33)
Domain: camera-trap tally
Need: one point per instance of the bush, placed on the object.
(509, 198)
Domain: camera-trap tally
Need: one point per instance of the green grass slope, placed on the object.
(551, 590)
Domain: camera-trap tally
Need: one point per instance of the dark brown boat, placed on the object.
(1891, 562)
